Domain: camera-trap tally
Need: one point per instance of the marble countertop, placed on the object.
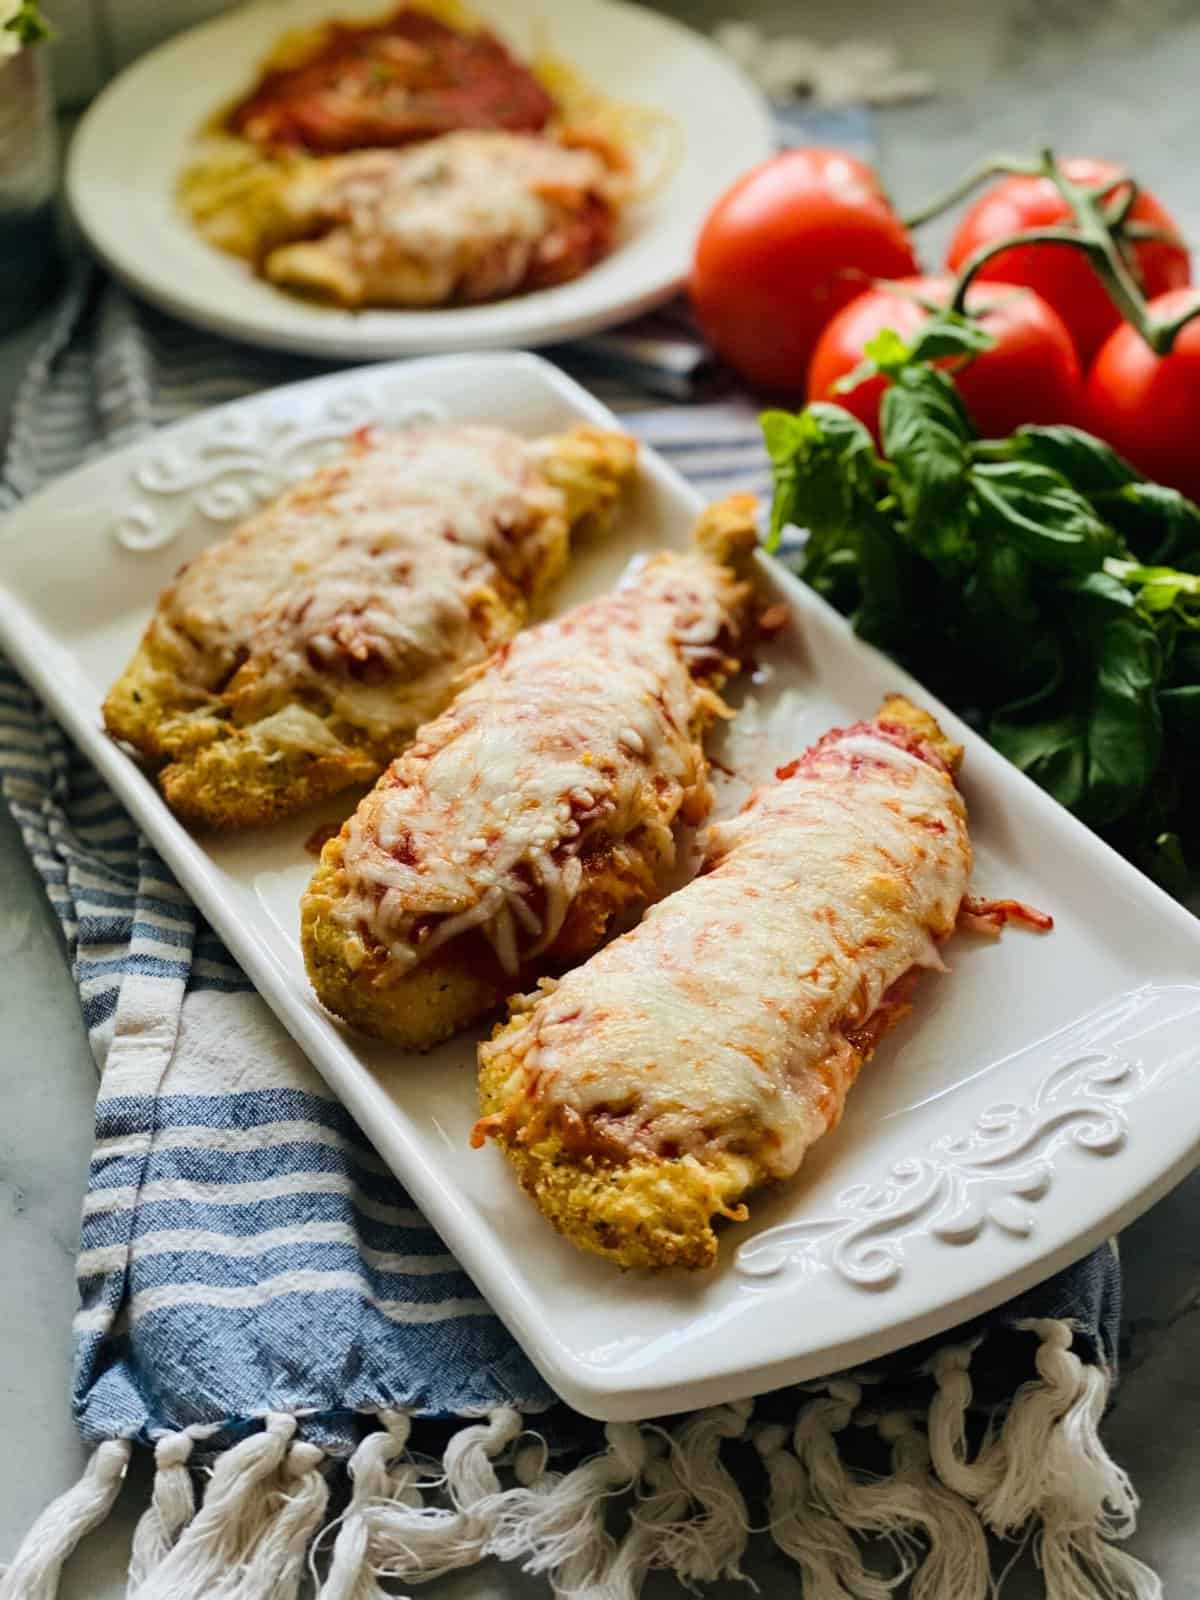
(1106, 77)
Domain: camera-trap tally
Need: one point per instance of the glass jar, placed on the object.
(30, 261)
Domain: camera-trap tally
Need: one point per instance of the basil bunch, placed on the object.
(1037, 584)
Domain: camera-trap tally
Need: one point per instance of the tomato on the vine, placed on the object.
(789, 244)
(1147, 406)
(1060, 273)
(1030, 375)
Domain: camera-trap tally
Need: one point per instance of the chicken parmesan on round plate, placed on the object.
(394, 177)
(413, 160)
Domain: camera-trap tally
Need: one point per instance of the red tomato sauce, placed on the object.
(388, 83)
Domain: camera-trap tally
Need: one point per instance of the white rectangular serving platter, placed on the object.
(1045, 1091)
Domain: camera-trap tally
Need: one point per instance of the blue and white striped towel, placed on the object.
(258, 1292)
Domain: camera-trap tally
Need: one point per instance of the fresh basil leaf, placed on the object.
(1052, 750)
(844, 438)
(1013, 651)
(1161, 526)
(887, 352)
(1086, 462)
(885, 611)
(1037, 509)
(786, 437)
(824, 467)
(1096, 748)
(825, 477)
(925, 436)
(1003, 584)
(1160, 591)
(945, 334)
(923, 396)
(786, 432)
(950, 334)
(1124, 725)
(831, 568)
(1096, 596)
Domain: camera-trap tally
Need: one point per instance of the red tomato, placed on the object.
(1031, 375)
(1146, 406)
(789, 244)
(1061, 274)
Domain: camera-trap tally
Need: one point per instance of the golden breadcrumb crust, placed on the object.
(896, 708)
(222, 767)
(643, 1211)
(426, 1006)
(461, 982)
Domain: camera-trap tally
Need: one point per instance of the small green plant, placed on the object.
(21, 23)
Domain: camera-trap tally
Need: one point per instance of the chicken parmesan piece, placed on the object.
(459, 220)
(702, 1054)
(539, 806)
(296, 656)
(408, 76)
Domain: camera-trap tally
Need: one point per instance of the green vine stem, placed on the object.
(993, 167)
(1102, 230)
(1124, 193)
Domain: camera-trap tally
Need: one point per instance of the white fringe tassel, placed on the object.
(557, 1525)
(831, 1567)
(1047, 1463)
(1061, 1472)
(948, 1428)
(661, 1503)
(37, 1565)
(240, 1544)
(276, 1566)
(172, 1506)
(710, 1542)
(957, 1560)
(1043, 1471)
(393, 1534)
(351, 1574)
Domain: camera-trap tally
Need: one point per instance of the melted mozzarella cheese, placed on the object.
(364, 580)
(463, 217)
(720, 1022)
(584, 730)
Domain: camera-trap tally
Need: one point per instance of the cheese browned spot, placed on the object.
(542, 800)
(706, 1051)
(294, 656)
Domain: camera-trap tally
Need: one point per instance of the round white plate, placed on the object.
(137, 137)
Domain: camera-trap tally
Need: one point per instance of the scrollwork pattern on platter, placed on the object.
(990, 1177)
(242, 459)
